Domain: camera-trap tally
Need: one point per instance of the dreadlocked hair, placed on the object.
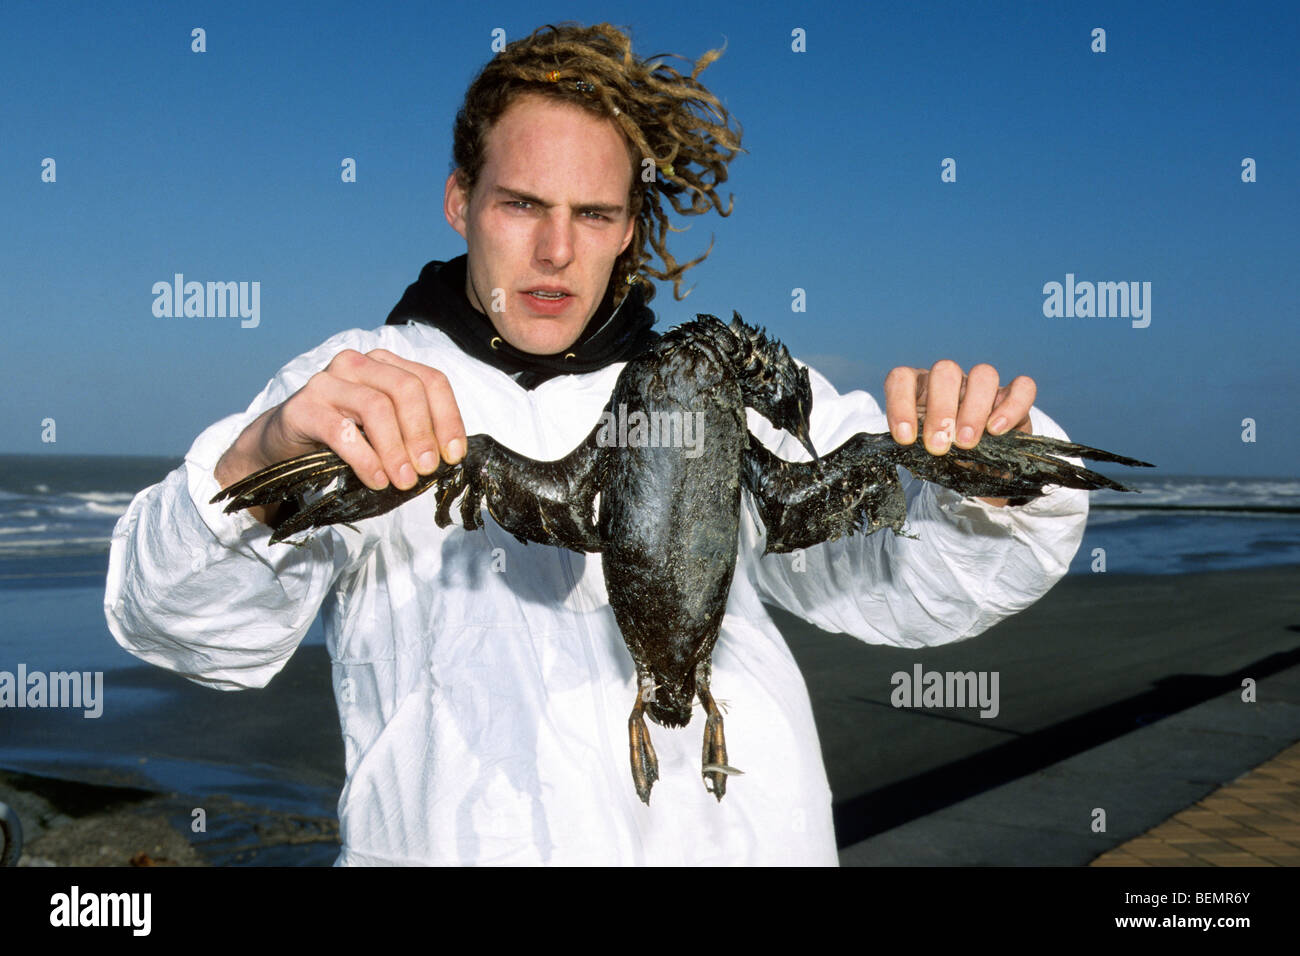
(666, 116)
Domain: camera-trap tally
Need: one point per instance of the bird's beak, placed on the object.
(801, 433)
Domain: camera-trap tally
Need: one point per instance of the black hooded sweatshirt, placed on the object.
(438, 298)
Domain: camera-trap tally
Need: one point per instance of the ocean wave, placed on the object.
(46, 525)
(65, 510)
(1097, 517)
(102, 497)
(115, 510)
(49, 547)
(1190, 492)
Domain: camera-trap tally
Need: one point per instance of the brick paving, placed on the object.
(1253, 821)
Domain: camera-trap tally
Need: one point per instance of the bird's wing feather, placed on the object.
(292, 482)
(548, 502)
(856, 487)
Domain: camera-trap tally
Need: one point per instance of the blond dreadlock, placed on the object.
(666, 116)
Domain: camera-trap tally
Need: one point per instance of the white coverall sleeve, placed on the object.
(200, 592)
(970, 565)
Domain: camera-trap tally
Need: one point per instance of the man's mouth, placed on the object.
(550, 302)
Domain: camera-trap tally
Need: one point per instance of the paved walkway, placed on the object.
(1253, 821)
(1217, 784)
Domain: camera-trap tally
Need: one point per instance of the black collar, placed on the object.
(437, 298)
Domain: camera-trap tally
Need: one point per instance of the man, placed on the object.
(483, 685)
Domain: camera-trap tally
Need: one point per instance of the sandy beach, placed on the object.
(266, 767)
(1098, 657)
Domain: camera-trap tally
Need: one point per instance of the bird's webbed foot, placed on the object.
(645, 765)
(713, 764)
(291, 484)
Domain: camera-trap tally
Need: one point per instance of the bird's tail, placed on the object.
(670, 704)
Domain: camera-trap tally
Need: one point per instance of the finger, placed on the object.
(977, 399)
(357, 408)
(902, 385)
(1013, 404)
(404, 403)
(408, 395)
(323, 412)
(943, 393)
(448, 426)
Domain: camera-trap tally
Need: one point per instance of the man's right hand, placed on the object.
(406, 410)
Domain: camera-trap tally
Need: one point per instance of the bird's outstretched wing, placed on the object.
(856, 487)
(291, 484)
(547, 502)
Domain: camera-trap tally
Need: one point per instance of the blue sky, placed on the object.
(1116, 166)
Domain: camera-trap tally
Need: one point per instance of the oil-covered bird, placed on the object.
(668, 522)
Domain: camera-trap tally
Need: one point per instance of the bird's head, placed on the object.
(773, 384)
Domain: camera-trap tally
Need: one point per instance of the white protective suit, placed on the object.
(482, 684)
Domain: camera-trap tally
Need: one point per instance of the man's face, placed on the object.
(549, 214)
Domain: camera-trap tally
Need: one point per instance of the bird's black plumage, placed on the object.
(669, 517)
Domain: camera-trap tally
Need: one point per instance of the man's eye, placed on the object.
(597, 216)
(520, 204)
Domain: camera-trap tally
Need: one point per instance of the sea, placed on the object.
(57, 515)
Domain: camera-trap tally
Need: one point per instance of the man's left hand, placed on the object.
(956, 408)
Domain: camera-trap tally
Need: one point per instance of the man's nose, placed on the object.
(555, 239)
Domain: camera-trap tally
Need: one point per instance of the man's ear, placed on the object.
(627, 237)
(455, 204)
